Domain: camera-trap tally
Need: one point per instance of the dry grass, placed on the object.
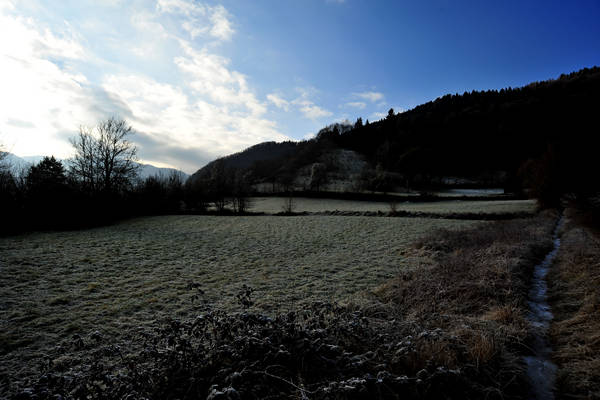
(575, 300)
(124, 277)
(475, 291)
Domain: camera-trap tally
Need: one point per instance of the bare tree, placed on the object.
(241, 191)
(219, 185)
(318, 175)
(105, 161)
(9, 194)
(288, 204)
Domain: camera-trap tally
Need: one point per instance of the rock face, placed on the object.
(347, 171)
(337, 171)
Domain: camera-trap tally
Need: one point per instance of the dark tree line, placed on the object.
(100, 185)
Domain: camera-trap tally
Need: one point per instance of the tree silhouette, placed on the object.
(47, 194)
(105, 161)
(47, 175)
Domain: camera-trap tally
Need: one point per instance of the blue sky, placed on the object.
(202, 79)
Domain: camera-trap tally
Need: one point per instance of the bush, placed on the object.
(323, 352)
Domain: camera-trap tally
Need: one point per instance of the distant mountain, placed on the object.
(15, 164)
(34, 159)
(148, 170)
(20, 164)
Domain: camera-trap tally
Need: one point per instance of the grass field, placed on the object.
(118, 278)
(272, 205)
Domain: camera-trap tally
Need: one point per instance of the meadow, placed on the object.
(271, 205)
(121, 278)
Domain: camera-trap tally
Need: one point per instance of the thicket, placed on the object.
(101, 185)
(47, 196)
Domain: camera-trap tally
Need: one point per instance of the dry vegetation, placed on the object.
(475, 293)
(119, 278)
(575, 300)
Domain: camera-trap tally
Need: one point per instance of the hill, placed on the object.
(507, 137)
(265, 151)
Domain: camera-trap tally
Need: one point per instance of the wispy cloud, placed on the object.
(303, 103)
(370, 96)
(278, 101)
(221, 25)
(357, 104)
(200, 19)
(307, 106)
(313, 111)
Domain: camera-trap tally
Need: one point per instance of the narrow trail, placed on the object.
(541, 371)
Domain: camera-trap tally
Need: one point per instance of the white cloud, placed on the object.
(219, 116)
(278, 101)
(221, 28)
(22, 40)
(312, 111)
(357, 104)
(180, 6)
(145, 22)
(307, 107)
(202, 109)
(370, 96)
(169, 118)
(210, 76)
(200, 19)
(7, 5)
(51, 99)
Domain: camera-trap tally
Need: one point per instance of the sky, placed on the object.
(198, 79)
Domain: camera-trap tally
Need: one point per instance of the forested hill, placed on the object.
(246, 158)
(545, 130)
(477, 131)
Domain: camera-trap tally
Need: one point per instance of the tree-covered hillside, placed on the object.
(541, 136)
(475, 132)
